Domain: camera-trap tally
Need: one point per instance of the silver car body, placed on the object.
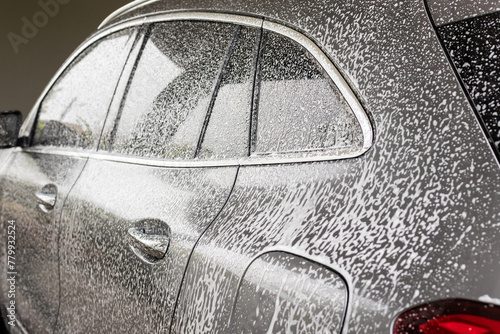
(408, 217)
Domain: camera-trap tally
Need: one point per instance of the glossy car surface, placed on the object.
(262, 167)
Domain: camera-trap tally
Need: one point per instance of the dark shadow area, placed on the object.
(36, 38)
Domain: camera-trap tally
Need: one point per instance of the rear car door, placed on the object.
(262, 266)
(151, 180)
(36, 181)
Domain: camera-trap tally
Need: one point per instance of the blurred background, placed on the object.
(36, 38)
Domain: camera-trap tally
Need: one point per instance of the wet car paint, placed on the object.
(414, 219)
(36, 249)
(430, 175)
(101, 276)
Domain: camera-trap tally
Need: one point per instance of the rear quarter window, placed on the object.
(299, 107)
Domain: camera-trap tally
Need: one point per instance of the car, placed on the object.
(214, 166)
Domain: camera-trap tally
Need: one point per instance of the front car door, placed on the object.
(36, 181)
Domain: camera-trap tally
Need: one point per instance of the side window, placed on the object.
(73, 111)
(299, 107)
(170, 90)
(227, 132)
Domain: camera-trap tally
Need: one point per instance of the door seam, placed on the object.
(196, 244)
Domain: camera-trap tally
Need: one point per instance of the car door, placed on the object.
(263, 265)
(36, 180)
(137, 210)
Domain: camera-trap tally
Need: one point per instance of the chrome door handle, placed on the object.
(154, 245)
(47, 197)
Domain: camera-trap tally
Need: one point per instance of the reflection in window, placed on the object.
(73, 111)
(171, 89)
(299, 107)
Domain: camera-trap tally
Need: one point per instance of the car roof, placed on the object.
(443, 11)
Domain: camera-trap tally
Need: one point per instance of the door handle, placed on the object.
(47, 197)
(153, 245)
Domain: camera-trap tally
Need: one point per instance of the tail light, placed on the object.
(450, 317)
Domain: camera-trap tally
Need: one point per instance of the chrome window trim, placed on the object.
(194, 163)
(122, 10)
(324, 61)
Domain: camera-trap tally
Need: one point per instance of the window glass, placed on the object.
(73, 111)
(474, 47)
(228, 128)
(299, 107)
(170, 90)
